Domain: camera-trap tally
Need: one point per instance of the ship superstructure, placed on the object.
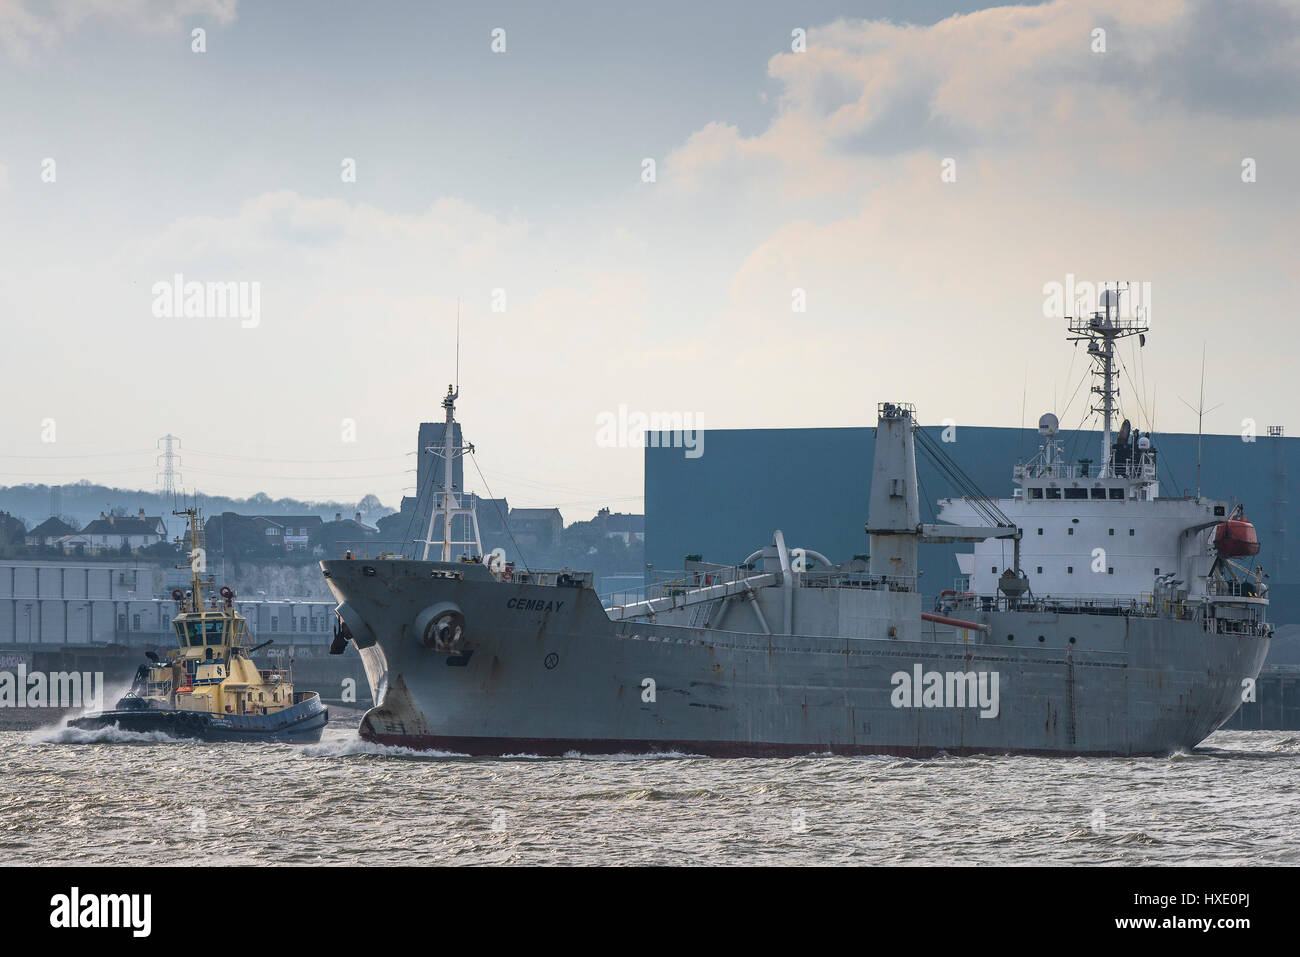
(1100, 530)
(791, 653)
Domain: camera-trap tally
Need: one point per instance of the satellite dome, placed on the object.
(1048, 424)
(1144, 443)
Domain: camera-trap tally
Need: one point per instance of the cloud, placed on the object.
(26, 26)
(358, 320)
(680, 296)
(1007, 76)
(1118, 166)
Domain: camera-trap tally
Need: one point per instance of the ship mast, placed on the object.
(197, 555)
(1100, 331)
(448, 504)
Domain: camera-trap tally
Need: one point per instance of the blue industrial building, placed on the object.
(813, 484)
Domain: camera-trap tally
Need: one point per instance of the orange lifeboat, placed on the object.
(1236, 537)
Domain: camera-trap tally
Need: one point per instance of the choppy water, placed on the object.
(107, 798)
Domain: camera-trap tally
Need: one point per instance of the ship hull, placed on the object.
(545, 671)
(301, 724)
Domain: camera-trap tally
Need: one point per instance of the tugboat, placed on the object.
(209, 687)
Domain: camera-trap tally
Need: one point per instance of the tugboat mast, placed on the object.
(197, 555)
(1100, 331)
(448, 504)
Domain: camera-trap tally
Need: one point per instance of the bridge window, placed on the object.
(1076, 493)
(1054, 494)
(1116, 494)
(1035, 493)
(1099, 493)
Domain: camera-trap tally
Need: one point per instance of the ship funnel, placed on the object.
(894, 512)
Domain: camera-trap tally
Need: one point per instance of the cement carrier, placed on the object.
(1125, 625)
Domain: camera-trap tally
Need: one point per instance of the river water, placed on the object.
(72, 797)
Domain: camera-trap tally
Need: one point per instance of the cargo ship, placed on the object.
(208, 687)
(1123, 623)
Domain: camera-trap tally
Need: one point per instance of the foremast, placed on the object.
(447, 502)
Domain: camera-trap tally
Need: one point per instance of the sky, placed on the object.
(848, 204)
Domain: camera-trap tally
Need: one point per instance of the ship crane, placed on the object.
(1000, 525)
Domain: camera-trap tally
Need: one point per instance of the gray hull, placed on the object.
(543, 670)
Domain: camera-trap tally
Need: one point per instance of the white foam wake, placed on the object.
(62, 734)
(352, 745)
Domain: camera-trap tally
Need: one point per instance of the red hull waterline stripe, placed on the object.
(558, 747)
